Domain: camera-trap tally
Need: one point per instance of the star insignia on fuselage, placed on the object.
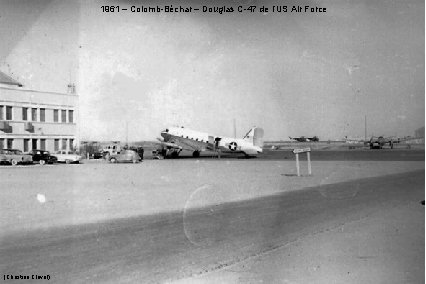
(233, 146)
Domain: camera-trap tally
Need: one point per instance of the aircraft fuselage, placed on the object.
(200, 141)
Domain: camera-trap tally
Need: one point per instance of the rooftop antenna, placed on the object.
(70, 86)
(365, 127)
(127, 133)
(235, 128)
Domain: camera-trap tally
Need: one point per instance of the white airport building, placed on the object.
(32, 119)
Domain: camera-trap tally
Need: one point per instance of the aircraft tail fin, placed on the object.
(255, 136)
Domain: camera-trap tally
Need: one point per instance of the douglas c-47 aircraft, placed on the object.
(176, 139)
(305, 139)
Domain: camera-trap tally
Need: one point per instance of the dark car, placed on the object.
(42, 157)
(97, 155)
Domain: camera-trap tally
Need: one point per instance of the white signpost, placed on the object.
(308, 153)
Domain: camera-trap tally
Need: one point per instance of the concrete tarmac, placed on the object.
(41, 197)
(191, 243)
(350, 155)
(326, 155)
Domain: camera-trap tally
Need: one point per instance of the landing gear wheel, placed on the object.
(68, 161)
(14, 162)
(113, 160)
(196, 154)
(42, 162)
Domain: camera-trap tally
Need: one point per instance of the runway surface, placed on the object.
(350, 155)
(171, 246)
(328, 155)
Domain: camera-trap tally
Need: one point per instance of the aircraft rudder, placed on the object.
(255, 136)
(258, 136)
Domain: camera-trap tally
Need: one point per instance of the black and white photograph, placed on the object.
(212, 141)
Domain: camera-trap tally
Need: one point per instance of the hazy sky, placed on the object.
(292, 74)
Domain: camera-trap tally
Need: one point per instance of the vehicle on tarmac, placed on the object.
(42, 157)
(14, 157)
(111, 149)
(68, 157)
(139, 150)
(125, 156)
(97, 155)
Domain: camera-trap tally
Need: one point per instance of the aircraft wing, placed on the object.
(183, 144)
(171, 145)
(397, 140)
(313, 139)
(189, 144)
(299, 139)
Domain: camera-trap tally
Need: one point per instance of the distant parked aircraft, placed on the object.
(379, 142)
(305, 139)
(176, 139)
(353, 139)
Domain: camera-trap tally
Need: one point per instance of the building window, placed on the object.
(70, 116)
(55, 115)
(56, 145)
(42, 144)
(64, 144)
(9, 143)
(24, 113)
(34, 114)
(8, 113)
(43, 115)
(64, 116)
(34, 144)
(1, 143)
(26, 145)
(1, 112)
(71, 144)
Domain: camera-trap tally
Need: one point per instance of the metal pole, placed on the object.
(365, 126)
(309, 163)
(297, 164)
(127, 134)
(235, 128)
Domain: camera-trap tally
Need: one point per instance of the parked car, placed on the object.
(97, 155)
(14, 157)
(138, 150)
(125, 156)
(67, 157)
(42, 157)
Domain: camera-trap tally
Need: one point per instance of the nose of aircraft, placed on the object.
(165, 135)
